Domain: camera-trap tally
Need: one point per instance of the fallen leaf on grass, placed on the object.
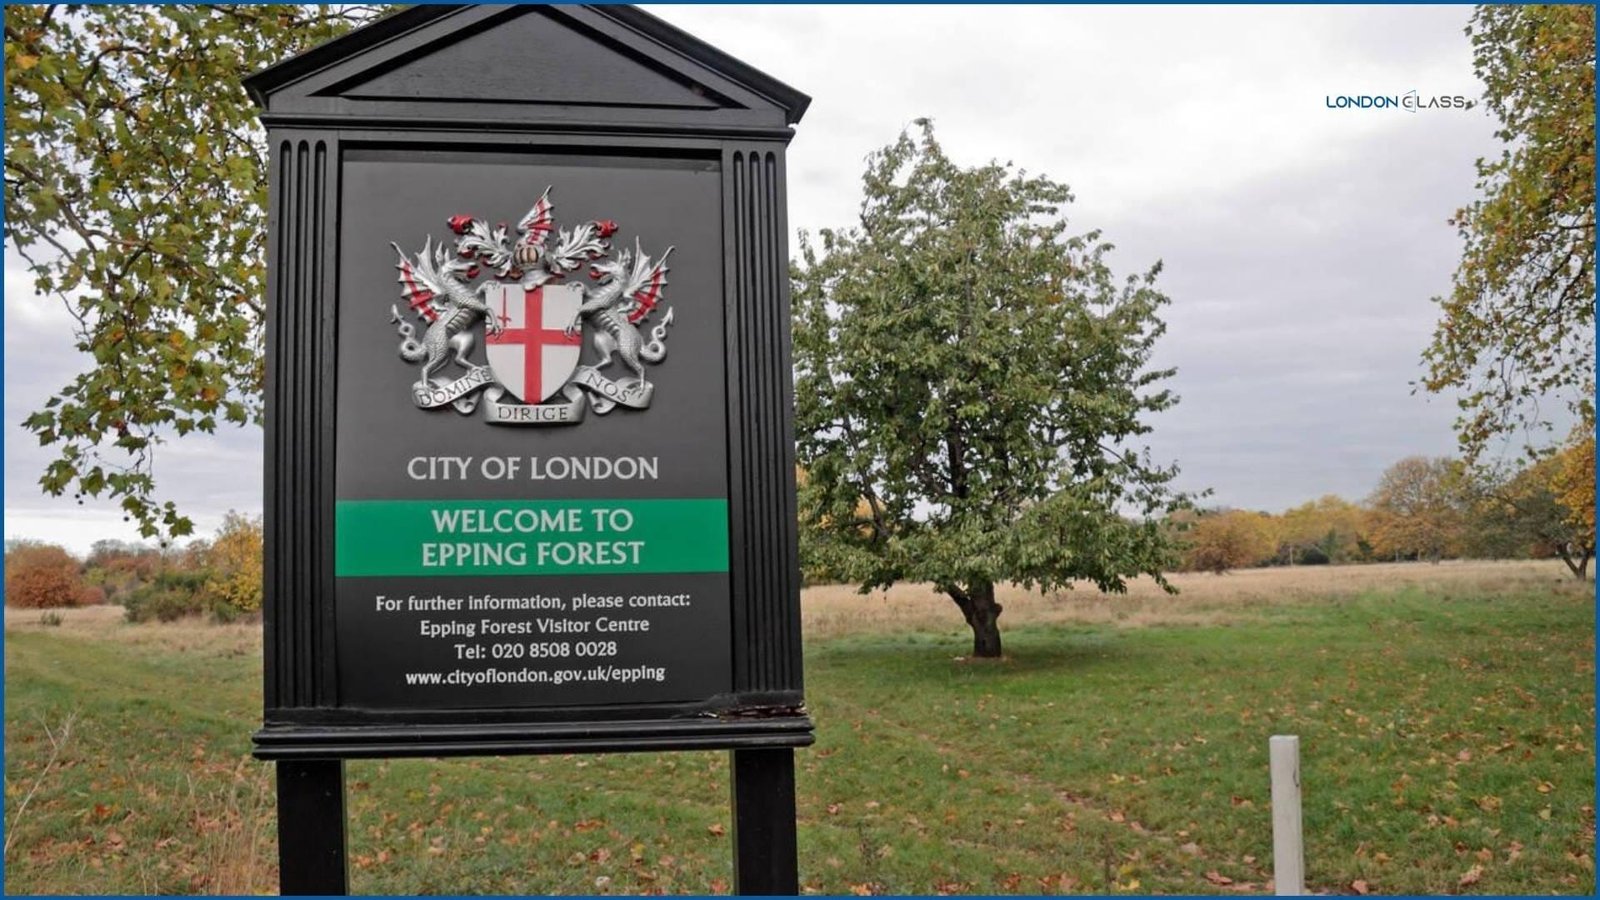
(861, 890)
(1360, 887)
(1066, 883)
(1191, 848)
(717, 829)
(1216, 877)
(1471, 876)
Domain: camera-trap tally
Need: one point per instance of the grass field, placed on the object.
(1446, 715)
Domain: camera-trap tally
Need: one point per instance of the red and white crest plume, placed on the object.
(534, 227)
(420, 281)
(645, 282)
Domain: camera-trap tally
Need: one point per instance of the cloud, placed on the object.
(1301, 244)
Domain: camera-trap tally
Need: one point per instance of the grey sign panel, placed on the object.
(529, 444)
(458, 656)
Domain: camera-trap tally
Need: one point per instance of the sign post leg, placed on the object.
(765, 855)
(311, 827)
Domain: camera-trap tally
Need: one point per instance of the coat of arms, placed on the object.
(534, 319)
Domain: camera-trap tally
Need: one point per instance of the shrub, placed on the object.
(41, 576)
(173, 594)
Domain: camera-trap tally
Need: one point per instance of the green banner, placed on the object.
(529, 537)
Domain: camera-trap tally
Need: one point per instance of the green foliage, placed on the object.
(173, 594)
(135, 188)
(1518, 325)
(969, 383)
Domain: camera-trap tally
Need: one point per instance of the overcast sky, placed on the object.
(1301, 243)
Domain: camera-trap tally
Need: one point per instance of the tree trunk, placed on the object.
(982, 613)
(1577, 562)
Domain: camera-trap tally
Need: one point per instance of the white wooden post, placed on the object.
(1288, 851)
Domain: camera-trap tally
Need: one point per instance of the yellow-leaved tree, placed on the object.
(1575, 483)
(1230, 539)
(1330, 529)
(233, 561)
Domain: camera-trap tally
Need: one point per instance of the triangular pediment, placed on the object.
(530, 56)
(525, 62)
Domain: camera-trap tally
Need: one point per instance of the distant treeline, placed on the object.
(219, 578)
(1422, 509)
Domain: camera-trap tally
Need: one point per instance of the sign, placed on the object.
(578, 562)
(530, 475)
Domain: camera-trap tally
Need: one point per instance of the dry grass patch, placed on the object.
(195, 634)
(1203, 599)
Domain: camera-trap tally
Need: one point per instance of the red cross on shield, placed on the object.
(533, 356)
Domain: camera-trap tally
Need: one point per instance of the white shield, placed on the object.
(533, 356)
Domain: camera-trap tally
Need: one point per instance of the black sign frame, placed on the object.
(320, 107)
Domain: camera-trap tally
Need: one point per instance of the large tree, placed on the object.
(1229, 539)
(1518, 326)
(970, 382)
(135, 189)
(1420, 508)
